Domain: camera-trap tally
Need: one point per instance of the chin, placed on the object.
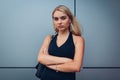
(61, 29)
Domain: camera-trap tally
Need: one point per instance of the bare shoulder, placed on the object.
(78, 39)
(48, 38)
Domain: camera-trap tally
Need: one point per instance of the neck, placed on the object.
(63, 33)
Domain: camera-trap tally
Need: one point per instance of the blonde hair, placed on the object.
(74, 26)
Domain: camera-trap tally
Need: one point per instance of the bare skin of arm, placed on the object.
(76, 63)
(46, 59)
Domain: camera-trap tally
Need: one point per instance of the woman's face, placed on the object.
(61, 21)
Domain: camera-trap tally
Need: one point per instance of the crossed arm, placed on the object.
(61, 63)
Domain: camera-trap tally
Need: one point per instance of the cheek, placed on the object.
(67, 23)
(54, 23)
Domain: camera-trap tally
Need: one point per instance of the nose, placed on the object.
(59, 21)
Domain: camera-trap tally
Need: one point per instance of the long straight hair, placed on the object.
(74, 25)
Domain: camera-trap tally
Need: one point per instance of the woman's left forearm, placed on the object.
(66, 67)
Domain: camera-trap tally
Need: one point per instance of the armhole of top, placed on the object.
(51, 37)
(74, 40)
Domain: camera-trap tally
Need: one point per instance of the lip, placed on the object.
(60, 26)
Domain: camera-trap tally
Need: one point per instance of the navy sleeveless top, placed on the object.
(67, 49)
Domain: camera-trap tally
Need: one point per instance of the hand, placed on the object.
(51, 67)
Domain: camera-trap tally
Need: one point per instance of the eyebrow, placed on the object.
(59, 17)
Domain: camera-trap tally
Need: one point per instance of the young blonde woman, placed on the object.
(63, 54)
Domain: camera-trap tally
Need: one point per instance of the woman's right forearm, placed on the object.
(47, 59)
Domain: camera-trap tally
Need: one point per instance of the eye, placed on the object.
(55, 18)
(63, 18)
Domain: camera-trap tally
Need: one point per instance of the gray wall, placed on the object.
(100, 20)
(25, 23)
(23, 26)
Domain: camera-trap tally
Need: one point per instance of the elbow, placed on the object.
(77, 69)
(39, 59)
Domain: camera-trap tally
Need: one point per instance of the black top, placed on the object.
(67, 49)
